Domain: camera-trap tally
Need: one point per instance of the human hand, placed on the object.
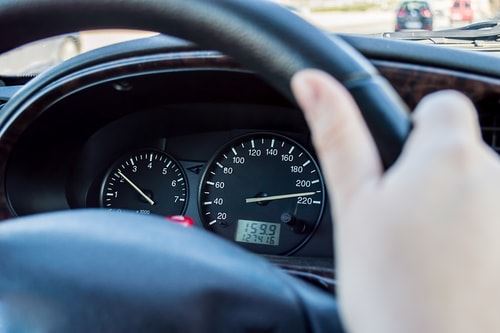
(417, 248)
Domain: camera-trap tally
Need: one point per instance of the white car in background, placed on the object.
(33, 58)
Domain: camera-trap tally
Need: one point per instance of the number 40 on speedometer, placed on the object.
(264, 191)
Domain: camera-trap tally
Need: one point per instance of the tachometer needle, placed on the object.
(148, 199)
(279, 197)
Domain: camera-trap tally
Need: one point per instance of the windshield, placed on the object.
(367, 17)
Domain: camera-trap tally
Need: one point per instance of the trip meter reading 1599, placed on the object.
(264, 191)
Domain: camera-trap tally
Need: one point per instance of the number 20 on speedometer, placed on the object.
(264, 191)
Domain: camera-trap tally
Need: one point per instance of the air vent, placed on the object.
(490, 127)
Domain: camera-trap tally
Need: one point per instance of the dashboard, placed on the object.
(161, 127)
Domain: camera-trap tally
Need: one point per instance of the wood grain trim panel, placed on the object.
(413, 82)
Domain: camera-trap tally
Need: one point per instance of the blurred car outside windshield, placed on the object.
(367, 17)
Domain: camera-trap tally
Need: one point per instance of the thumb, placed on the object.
(345, 148)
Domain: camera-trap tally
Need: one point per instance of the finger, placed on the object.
(344, 145)
(444, 121)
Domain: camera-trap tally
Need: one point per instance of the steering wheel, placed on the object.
(92, 271)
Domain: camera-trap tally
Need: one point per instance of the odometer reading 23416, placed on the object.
(264, 191)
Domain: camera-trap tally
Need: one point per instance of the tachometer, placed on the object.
(147, 182)
(264, 191)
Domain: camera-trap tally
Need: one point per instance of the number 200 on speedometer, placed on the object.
(263, 191)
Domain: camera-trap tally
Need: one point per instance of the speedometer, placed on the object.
(263, 191)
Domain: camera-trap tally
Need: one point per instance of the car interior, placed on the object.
(169, 183)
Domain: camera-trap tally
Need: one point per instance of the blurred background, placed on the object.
(372, 17)
(378, 16)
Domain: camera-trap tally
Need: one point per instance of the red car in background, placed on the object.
(461, 11)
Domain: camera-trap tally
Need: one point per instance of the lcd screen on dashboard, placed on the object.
(258, 232)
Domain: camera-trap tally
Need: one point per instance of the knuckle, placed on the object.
(458, 115)
(458, 151)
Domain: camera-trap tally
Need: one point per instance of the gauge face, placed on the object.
(263, 191)
(147, 182)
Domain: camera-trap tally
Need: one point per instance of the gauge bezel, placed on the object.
(241, 138)
(138, 151)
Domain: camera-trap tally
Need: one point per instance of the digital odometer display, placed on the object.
(262, 177)
(258, 232)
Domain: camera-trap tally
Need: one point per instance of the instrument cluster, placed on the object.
(246, 173)
(262, 190)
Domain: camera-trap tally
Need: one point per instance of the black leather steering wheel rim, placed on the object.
(263, 37)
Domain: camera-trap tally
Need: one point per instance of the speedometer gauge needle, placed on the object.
(279, 197)
(135, 187)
